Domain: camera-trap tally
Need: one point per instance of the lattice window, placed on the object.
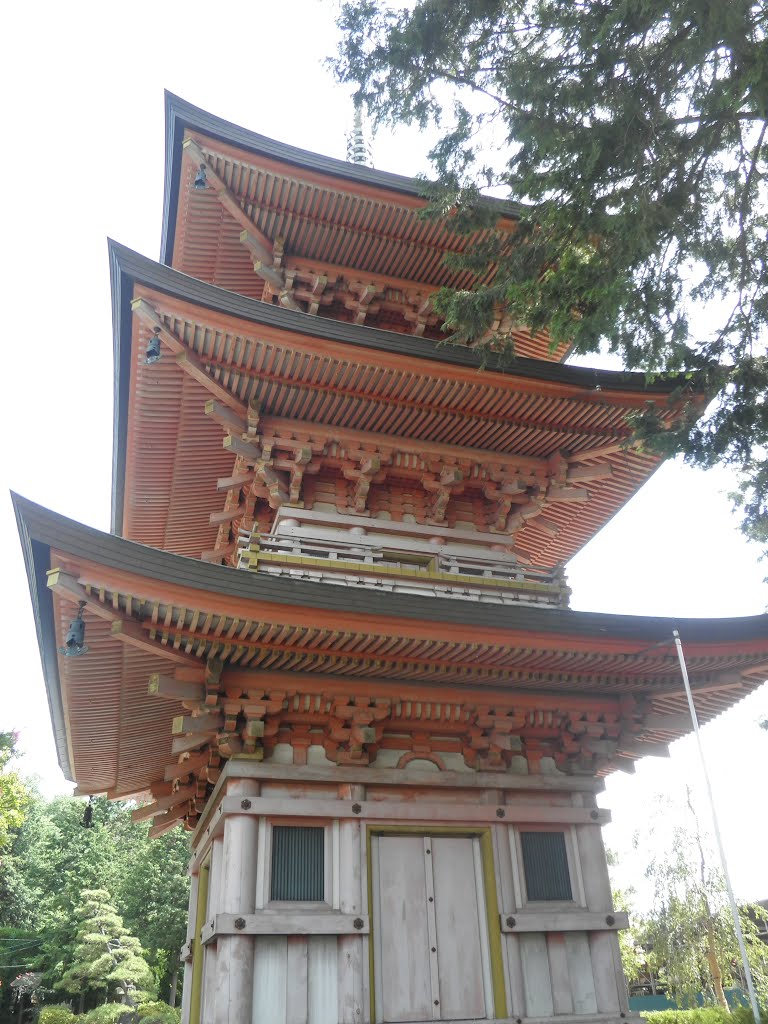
(545, 865)
(298, 864)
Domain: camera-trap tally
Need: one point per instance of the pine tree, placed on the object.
(105, 956)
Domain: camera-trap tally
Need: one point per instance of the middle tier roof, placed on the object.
(541, 449)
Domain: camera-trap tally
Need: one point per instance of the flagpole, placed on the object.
(718, 837)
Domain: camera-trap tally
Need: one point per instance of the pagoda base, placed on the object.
(346, 895)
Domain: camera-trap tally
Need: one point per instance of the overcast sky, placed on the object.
(84, 149)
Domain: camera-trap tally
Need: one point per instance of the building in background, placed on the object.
(329, 631)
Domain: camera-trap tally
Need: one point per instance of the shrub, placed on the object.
(158, 1013)
(701, 1015)
(107, 1013)
(56, 1013)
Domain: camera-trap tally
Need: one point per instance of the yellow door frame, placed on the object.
(201, 908)
(489, 890)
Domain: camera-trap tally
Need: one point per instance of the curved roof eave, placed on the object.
(37, 561)
(128, 267)
(179, 114)
(49, 529)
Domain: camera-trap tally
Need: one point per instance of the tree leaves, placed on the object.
(105, 956)
(53, 859)
(631, 138)
(688, 937)
(13, 793)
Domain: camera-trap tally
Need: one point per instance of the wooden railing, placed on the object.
(385, 566)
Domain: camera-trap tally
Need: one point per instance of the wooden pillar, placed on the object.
(198, 952)
(350, 947)
(594, 868)
(237, 895)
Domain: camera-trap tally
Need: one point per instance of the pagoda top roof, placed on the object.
(337, 239)
(149, 611)
(237, 349)
(182, 116)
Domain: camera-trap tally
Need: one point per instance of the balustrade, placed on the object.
(495, 576)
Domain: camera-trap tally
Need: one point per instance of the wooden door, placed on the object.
(431, 959)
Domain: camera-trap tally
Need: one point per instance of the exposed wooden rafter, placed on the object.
(255, 241)
(171, 688)
(128, 630)
(164, 822)
(164, 803)
(187, 360)
(188, 764)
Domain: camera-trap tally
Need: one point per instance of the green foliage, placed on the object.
(57, 1013)
(107, 1013)
(633, 140)
(52, 859)
(689, 937)
(8, 741)
(111, 1013)
(701, 1015)
(104, 956)
(18, 949)
(153, 893)
(158, 1013)
(13, 793)
(632, 955)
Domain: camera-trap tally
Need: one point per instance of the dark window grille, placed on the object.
(545, 862)
(298, 863)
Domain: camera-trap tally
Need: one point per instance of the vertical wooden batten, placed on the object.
(215, 870)
(494, 932)
(350, 947)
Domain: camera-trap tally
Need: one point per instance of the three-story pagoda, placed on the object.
(329, 630)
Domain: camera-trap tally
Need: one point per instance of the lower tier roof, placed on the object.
(310, 664)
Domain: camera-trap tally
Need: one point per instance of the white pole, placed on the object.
(718, 837)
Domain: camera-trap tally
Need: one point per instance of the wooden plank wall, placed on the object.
(296, 979)
(324, 978)
(557, 973)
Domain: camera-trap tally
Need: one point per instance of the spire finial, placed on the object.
(358, 148)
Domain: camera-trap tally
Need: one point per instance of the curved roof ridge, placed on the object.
(181, 114)
(125, 263)
(40, 524)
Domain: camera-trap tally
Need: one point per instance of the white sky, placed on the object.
(84, 151)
